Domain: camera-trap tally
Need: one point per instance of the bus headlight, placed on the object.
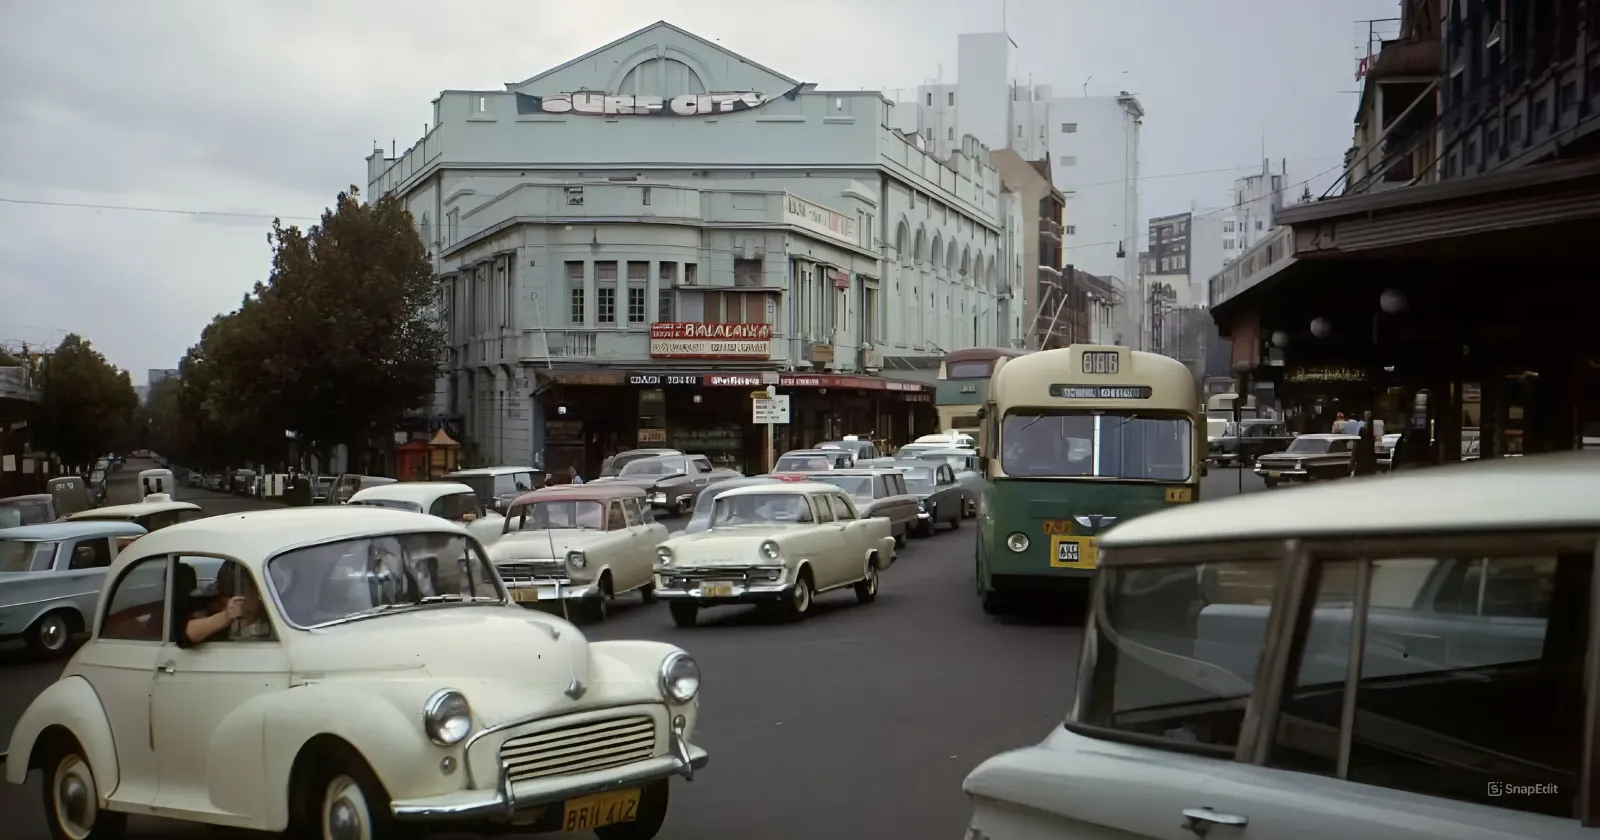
(1017, 542)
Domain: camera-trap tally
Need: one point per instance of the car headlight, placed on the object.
(446, 717)
(680, 678)
(663, 554)
(1017, 542)
(576, 560)
(770, 550)
(1299, 465)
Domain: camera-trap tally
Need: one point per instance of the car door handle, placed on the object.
(168, 667)
(1202, 820)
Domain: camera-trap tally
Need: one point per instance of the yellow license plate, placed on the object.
(1073, 552)
(589, 812)
(1180, 494)
(1273, 474)
(717, 590)
(521, 595)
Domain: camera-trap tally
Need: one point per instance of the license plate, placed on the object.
(717, 590)
(1180, 494)
(601, 809)
(1073, 552)
(1273, 474)
(522, 595)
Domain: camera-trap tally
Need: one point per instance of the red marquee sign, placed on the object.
(689, 340)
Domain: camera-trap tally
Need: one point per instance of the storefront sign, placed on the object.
(1327, 374)
(640, 105)
(652, 436)
(656, 379)
(1101, 392)
(820, 220)
(588, 379)
(683, 340)
(774, 410)
(734, 380)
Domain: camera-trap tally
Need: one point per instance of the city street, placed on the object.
(860, 721)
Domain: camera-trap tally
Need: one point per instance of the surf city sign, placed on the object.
(627, 104)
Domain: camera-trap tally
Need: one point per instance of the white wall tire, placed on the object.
(345, 813)
(72, 797)
(50, 635)
(867, 587)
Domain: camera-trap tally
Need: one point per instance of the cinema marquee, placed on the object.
(641, 105)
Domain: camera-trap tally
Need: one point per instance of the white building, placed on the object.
(1257, 199)
(609, 229)
(1092, 143)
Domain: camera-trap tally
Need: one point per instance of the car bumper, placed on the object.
(747, 592)
(1284, 475)
(564, 591)
(682, 759)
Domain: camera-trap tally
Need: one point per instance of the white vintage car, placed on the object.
(775, 545)
(157, 511)
(445, 499)
(580, 543)
(383, 683)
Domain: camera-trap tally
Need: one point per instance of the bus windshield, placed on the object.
(1081, 444)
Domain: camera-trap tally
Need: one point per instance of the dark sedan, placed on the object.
(965, 464)
(939, 495)
(1308, 458)
(613, 465)
(879, 493)
(1247, 440)
(671, 482)
(700, 520)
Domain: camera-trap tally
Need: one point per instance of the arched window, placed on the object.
(951, 257)
(966, 264)
(901, 235)
(921, 247)
(936, 253)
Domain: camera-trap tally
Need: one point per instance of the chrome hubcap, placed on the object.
(76, 805)
(344, 816)
(802, 596)
(872, 579)
(53, 633)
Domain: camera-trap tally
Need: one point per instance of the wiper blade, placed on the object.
(374, 610)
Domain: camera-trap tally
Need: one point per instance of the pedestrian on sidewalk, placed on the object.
(1365, 460)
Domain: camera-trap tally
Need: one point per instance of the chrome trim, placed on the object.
(1352, 677)
(739, 590)
(682, 759)
(431, 708)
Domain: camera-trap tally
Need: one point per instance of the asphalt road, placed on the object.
(859, 722)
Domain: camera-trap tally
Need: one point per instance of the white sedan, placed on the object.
(356, 672)
(778, 545)
(444, 499)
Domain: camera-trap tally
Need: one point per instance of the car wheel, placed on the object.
(925, 527)
(599, 607)
(955, 521)
(685, 506)
(799, 603)
(345, 801)
(646, 824)
(647, 593)
(902, 538)
(72, 798)
(51, 635)
(684, 613)
(867, 588)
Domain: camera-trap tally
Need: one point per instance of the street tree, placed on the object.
(86, 404)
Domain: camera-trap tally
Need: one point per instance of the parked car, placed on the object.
(157, 511)
(939, 496)
(50, 577)
(700, 519)
(1247, 440)
(579, 543)
(347, 485)
(436, 703)
(449, 500)
(614, 464)
(498, 487)
(1308, 458)
(878, 493)
(320, 485)
(798, 464)
(672, 481)
(778, 545)
(1422, 675)
(964, 462)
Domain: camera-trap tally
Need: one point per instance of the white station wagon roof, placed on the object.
(1501, 495)
(154, 503)
(258, 535)
(419, 492)
(784, 488)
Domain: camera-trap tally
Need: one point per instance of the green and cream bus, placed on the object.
(1071, 442)
(963, 385)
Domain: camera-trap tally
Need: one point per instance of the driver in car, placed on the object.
(234, 615)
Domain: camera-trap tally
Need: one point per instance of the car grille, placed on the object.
(533, 571)
(579, 748)
(732, 574)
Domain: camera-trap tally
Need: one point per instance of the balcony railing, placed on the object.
(1050, 228)
(14, 385)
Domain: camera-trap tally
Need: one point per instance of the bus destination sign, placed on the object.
(1101, 392)
(1101, 361)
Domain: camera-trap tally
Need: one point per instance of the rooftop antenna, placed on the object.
(391, 148)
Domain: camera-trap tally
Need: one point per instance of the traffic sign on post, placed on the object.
(770, 411)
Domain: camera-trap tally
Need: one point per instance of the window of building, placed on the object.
(452, 226)
(575, 290)
(689, 272)
(734, 307)
(666, 308)
(1019, 131)
(952, 96)
(930, 99)
(638, 280)
(1227, 244)
(1069, 128)
(1069, 160)
(928, 133)
(605, 276)
(1259, 224)
(1071, 229)
(950, 134)
(747, 273)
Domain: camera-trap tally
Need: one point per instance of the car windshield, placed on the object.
(859, 486)
(803, 463)
(546, 516)
(26, 555)
(369, 576)
(510, 484)
(956, 462)
(391, 504)
(617, 462)
(26, 511)
(1309, 446)
(919, 479)
(760, 509)
(651, 466)
(1078, 444)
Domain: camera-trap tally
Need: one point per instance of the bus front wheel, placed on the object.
(995, 603)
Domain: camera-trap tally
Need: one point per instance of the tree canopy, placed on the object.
(336, 345)
(87, 405)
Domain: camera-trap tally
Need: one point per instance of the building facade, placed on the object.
(630, 242)
(1042, 207)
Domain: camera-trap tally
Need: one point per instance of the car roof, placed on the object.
(1538, 492)
(742, 481)
(493, 471)
(593, 492)
(827, 453)
(861, 471)
(947, 450)
(253, 537)
(1327, 437)
(144, 508)
(27, 497)
(420, 492)
(786, 487)
(72, 530)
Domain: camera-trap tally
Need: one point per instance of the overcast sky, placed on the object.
(257, 109)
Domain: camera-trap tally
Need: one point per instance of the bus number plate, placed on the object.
(1180, 494)
(1073, 552)
(1054, 527)
(1101, 361)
